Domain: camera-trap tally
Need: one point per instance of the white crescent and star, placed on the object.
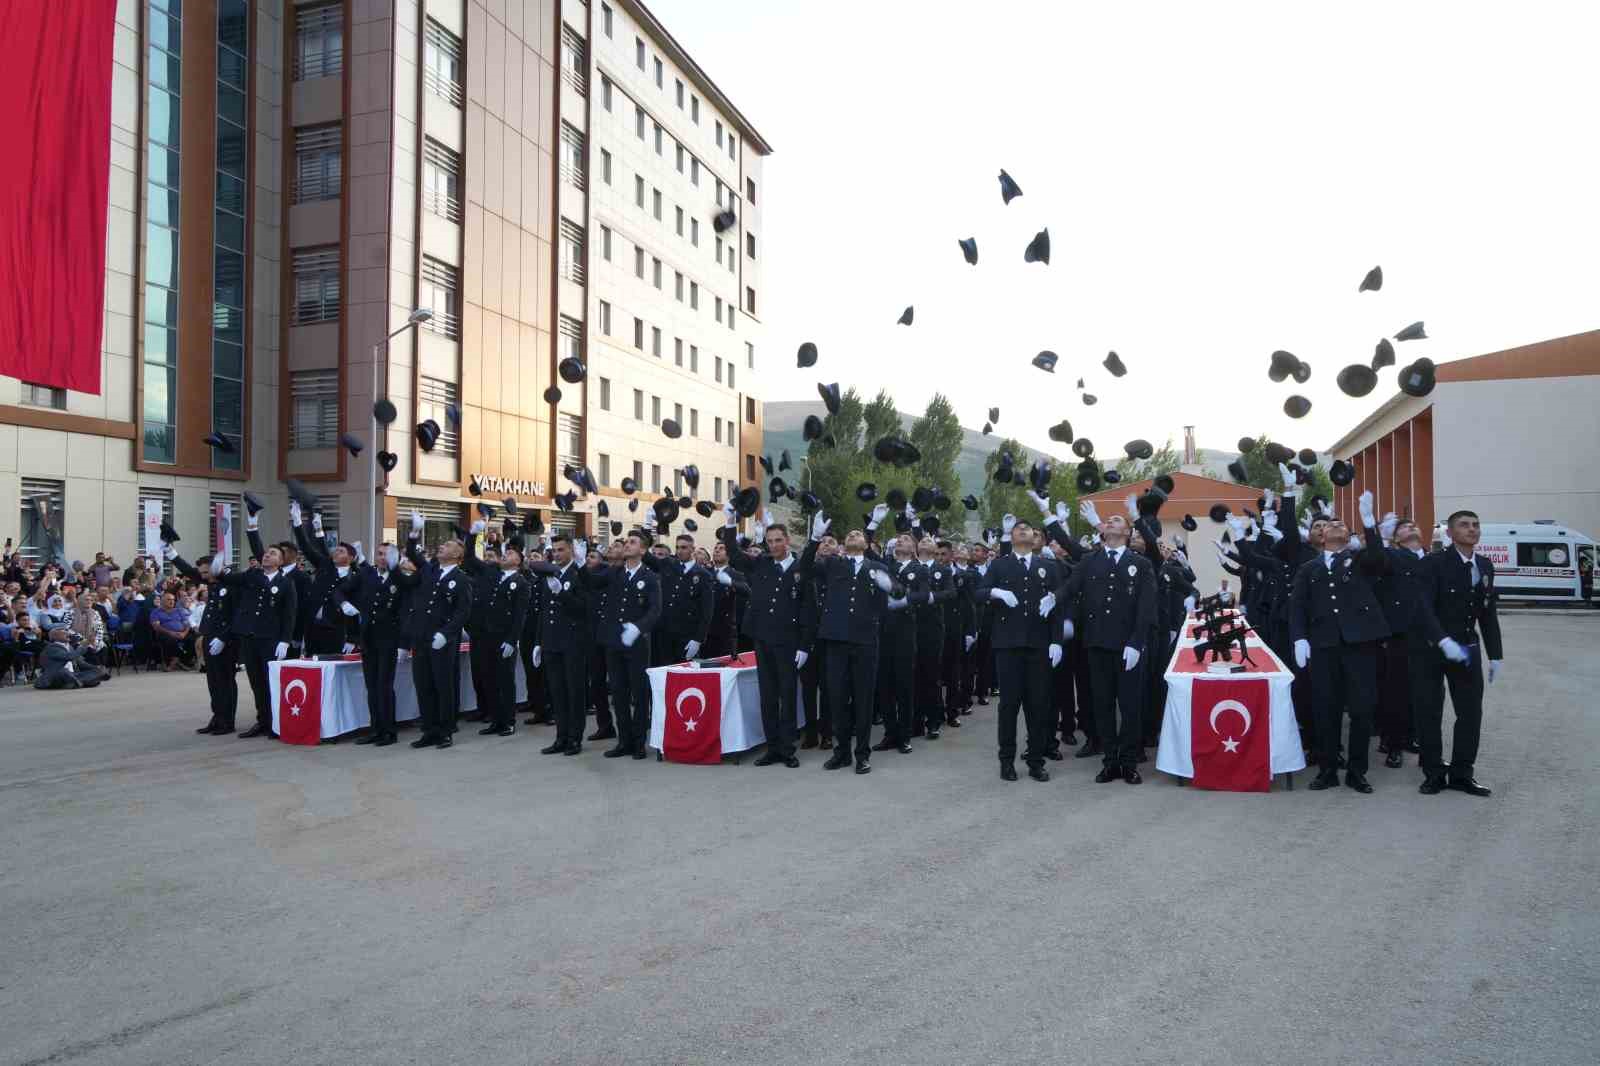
(1229, 744)
(288, 692)
(683, 697)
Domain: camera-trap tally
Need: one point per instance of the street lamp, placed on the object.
(415, 318)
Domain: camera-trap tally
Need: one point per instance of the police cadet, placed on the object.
(726, 614)
(563, 635)
(504, 615)
(1071, 708)
(813, 693)
(982, 659)
(960, 634)
(632, 613)
(484, 647)
(264, 620)
(385, 594)
(930, 615)
(299, 577)
(1336, 624)
(1021, 586)
(331, 622)
(897, 642)
(1112, 598)
(441, 604)
(853, 599)
(1405, 653)
(1456, 605)
(781, 623)
(216, 632)
(687, 603)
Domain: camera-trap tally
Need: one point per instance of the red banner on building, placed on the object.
(1230, 735)
(300, 704)
(693, 729)
(56, 81)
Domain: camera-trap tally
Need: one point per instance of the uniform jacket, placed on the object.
(687, 600)
(385, 601)
(327, 589)
(1030, 579)
(562, 623)
(440, 603)
(266, 606)
(1450, 604)
(1113, 604)
(780, 610)
(1339, 604)
(1401, 588)
(852, 603)
(634, 598)
(217, 621)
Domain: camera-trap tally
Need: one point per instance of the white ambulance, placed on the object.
(1538, 560)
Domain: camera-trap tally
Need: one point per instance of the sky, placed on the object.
(1217, 179)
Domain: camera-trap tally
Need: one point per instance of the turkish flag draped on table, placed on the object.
(56, 81)
(693, 727)
(300, 704)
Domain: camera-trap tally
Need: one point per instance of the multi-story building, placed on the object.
(290, 180)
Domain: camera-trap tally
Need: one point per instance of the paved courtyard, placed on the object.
(169, 898)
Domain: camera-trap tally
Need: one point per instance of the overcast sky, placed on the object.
(1216, 178)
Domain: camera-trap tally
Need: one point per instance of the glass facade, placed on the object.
(233, 191)
(161, 232)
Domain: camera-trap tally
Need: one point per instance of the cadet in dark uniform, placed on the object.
(1405, 653)
(780, 622)
(687, 602)
(264, 619)
(564, 634)
(1071, 708)
(331, 625)
(504, 614)
(723, 636)
(301, 579)
(813, 693)
(1336, 624)
(599, 595)
(441, 604)
(222, 647)
(484, 573)
(386, 592)
(939, 589)
(854, 598)
(1175, 597)
(982, 660)
(960, 634)
(632, 612)
(897, 646)
(1456, 605)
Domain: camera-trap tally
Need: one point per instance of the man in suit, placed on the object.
(633, 612)
(63, 666)
(1111, 596)
(483, 649)
(1336, 623)
(497, 625)
(385, 593)
(779, 621)
(563, 635)
(331, 615)
(1456, 605)
(687, 603)
(441, 605)
(854, 598)
(222, 647)
(1405, 652)
(265, 616)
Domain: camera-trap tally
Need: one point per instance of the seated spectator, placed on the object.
(85, 623)
(51, 613)
(26, 637)
(63, 666)
(173, 634)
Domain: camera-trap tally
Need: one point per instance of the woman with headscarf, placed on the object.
(86, 622)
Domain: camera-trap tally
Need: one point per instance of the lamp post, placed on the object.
(414, 319)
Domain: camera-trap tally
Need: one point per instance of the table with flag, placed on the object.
(315, 699)
(1231, 732)
(699, 713)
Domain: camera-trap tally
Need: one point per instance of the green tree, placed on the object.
(831, 473)
(1265, 475)
(880, 419)
(999, 499)
(1164, 461)
(937, 435)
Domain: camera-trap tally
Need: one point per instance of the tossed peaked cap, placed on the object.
(691, 475)
(1383, 354)
(388, 461)
(1296, 407)
(1061, 432)
(168, 534)
(777, 489)
(896, 499)
(1341, 473)
(810, 501)
(552, 395)
(1009, 189)
(766, 463)
(994, 414)
(970, 502)
(1282, 365)
(988, 428)
(427, 434)
(351, 443)
(806, 356)
(1219, 512)
(784, 462)
(1164, 484)
(671, 428)
(666, 510)
(1373, 281)
(1113, 476)
(1113, 363)
(1039, 476)
(571, 370)
(1357, 380)
(705, 508)
(866, 492)
(1418, 378)
(724, 220)
(628, 486)
(830, 396)
(1088, 476)
(385, 412)
(1413, 332)
(907, 315)
(1237, 471)
(921, 499)
(1038, 250)
(691, 525)
(220, 442)
(969, 250)
(1083, 447)
(1189, 523)
(1307, 456)
(812, 428)
(1247, 445)
(1046, 361)
(1088, 398)
(1278, 453)
(1138, 449)
(252, 503)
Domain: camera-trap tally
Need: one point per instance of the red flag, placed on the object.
(1230, 735)
(693, 730)
(300, 704)
(57, 83)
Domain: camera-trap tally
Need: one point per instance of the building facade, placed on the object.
(290, 180)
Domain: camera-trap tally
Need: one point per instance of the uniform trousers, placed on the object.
(1344, 680)
(1397, 680)
(222, 682)
(539, 706)
(502, 711)
(630, 692)
(1158, 649)
(257, 653)
(897, 667)
(482, 653)
(436, 675)
(982, 662)
(600, 691)
(818, 722)
(1115, 689)
(379, 654)
(956, 674)
(1465, 681)
(929, 669)
(851, 670)
(566, 682)
(1024, 675)
(779, 682)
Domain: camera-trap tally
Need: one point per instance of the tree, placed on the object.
(1265, 475)
(1164, 461)
(880, 419)
(831, 472)
(937, 435)
(1000, 499)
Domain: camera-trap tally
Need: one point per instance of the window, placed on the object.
(730, 314)
(1530, 553)
(694, 108)
(43, 515)
(571, 344)
(677, 413)
(605, 394)
(694, 232)
(572, 253)
(694, 172)
(638, 474)
(719, 192)
(638, 410)
(749, 466)
(605, 166)
(441, 62)
(719, 251)
(750, 190)
(750, 410)
(719, 370)
(157, 501)
(572, 156)
(717, 428)
(655, 410)
(719, 305)
(680, 159)
(441, 180)
(655, 478)
(732, 367)
(439, 288)
(694, 359)
(658, 138)
(638, 191)
(638, 262)
(678, 286)
(433, 396)
(160, 369)
(660, 74)
(638, 333)
(750, 245)
(314, 411)
(749, 300)
(680, 222)
(655, 200)
(605, 319)
(680, 95)
(605, 469)
(694, 422)
(717, 486)
(317, 153)
(638, 51)
(638, 121)
(316, 285)
(655, 272)
(655, 341)
(569, 439)
(694, 295)
(230, 505)
(733, 146)
(318, 41)
(574, 66)
(677, 481)
(605, 243)
(606, 19)
(730, 259)
(677, 351)
(719, 133)
(605, 92)
(46, 396)
(749, 356)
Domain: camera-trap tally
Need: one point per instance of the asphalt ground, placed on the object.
(168, 898)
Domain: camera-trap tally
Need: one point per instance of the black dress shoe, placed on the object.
(1469, 786)
(1130, 774)
(1008, 772)
(557, 748)
(904, 747)
(769, 758)
(603, 734)
(838, 761)
(1394, 760)
(982, 702)
(1108, 773)
(370, 738)
(1090, 749)
(640, 753)
(426, 740)
(1325, 779)
(1054, 755)
(953, 721)
(933, 734)
(445, 741)
(488, 730)
(1432, 785)
(863, 766)
(808, 743)
(573, 748)
(1413, 747)
(257, 730)
(208, 729)
(792, 763)
(1038, 773)
(826, 743)
(384, 740)
(1358, 782)
(886, 744)
(617, 752)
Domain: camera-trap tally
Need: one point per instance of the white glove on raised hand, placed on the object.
(881, 579)
(1005, 596)
(1047, 603)
(1090, 515)
(252, 522)
(348, 647)
(350, 610)
(630, 633)
(361, 556)
(759, 529)
(580, 551)
(1388, 525)
(1453, 651)
(479, 526)
(691, 649)
(1130, 658)
(416, 521)
(316, 522)
(168, 552)
(1288, 479)
(1494, 670)
(1269, 522)
(800, 658)
(1364, 505)
(537, 656)
(1188, 603)
(650, 521)
(281, 650)
(507, 650)
(819, 525)
(1302, 653)
(724, 578)
(730, 517)
(215, 647)
(1006, 523)
(1062, 514)
(1269, 502)
(294, 512)
(1055, 656)
(879, 513)
(970, 641)
(1067, 629)
(1236, 527)
(1041, 502)
(438, 641)
(553, 584)
(1132, 504)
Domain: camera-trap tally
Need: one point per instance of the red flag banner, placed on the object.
(56, 82)
(300, 704)
(692, 732)
(1230, 735)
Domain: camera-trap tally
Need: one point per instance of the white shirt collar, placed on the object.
(1327, 557)
(784, 563)
(630, 571)
(1467, 559)
(443, 570)
(506, 573)
(1025, 559)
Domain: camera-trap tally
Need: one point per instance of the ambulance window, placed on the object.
(1543, 553)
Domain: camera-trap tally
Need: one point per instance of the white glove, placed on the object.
(1188, 603)
(1364, 505)
(630, 633)
(650, 522)
(348, 647)
(970, 642)
(168, 552)
(1042, 502)
(730, 517)
(281, 650)
(1055, 656)
(1047, 604)
(1269, 520)
(1005, 526)
(350, 610)
(416, 522)
(879, 513)
(538, 656)
(1047, 552)
(479, 526)
(1132, 504)
(294, 512)
(1067, 629)
(766, 518)
(1453, 651)
(316, 522)
(580, 551)
(1288, 479)
(760, 529)
(438, 641)
(1269, 502)
(215, 647)
(1236, 527)
(252, 522)
(1494, 670)
(1090, 515)
(800, 658)
(1172, 637)
(1062, 514)
(724, 578)
(553, 584)
(819, 525)
(507, 650)
(989, 540)
(691, 649)
(897, 605)
(1386, 528)
(1005, 596)
(360, 555)
(1130, 658)
(881, 579)
(1302, 653)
